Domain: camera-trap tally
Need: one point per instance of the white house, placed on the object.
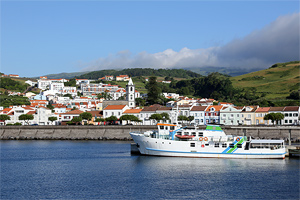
(114, 110)
(231, 115)
(291, 115)
(199, 114)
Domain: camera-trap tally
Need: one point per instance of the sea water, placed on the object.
(107, 170)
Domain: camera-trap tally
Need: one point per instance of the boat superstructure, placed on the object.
(174, 140)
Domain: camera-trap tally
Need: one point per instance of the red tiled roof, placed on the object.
(73, 112)
(133, 111)
(291, 108)
(31, 113)
(276, 109)
(262, 109)
(114, 107)
(96, 113)
(198, 108)
(217, 108)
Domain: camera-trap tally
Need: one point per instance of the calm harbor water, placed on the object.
(106, 170)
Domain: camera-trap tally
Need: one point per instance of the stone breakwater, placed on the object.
(122, 132)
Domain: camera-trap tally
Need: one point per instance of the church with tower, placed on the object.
(131, 95)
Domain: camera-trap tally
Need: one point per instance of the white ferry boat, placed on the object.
(173, 140)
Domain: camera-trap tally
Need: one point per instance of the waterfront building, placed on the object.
(260, 114)
(231, 115)
(134, 112)
(291, 115)
(169, 111)
(68, 116)
(147, 112)
(199, 114)
(248, 115)
(212, 114)
(114, 110)
(276, 110)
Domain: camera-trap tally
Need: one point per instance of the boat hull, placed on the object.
(161, 147)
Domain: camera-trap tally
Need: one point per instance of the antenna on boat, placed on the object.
(176, 116)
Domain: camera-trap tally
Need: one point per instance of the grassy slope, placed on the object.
(276, 82)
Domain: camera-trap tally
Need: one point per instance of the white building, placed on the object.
(291, 115)
(231, 115)
(114, 110)
(199, 114)
(130, 94)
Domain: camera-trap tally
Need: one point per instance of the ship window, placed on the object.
(172, 128)
(216, 144)
(224, 145)
(178, 133)
(193, 133)
(192, 144)
(207, 144)
(200, 134)
(186, 133)
(239, 146)
(166, 128)
(231, 145)
(161, 127)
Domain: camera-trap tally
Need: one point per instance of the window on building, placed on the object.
(112, 113)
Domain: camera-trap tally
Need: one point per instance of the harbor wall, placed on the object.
(122, 132)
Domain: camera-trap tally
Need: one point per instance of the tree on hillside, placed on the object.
(105, 95)
(154, 92)
(294, 95)
(71, 83)
(26, 118)
(52, 119)
(4, 118)
(140, 102)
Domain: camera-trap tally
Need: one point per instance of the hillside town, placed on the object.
(57, 104)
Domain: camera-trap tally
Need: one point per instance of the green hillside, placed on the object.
(175, 73)
(277, 82)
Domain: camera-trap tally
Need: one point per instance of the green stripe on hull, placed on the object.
(235, 146)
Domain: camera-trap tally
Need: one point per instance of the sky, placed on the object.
(47, 37)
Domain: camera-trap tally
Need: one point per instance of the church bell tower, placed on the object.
(130, 94)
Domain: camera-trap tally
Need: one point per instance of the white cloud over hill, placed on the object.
(276, 42)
